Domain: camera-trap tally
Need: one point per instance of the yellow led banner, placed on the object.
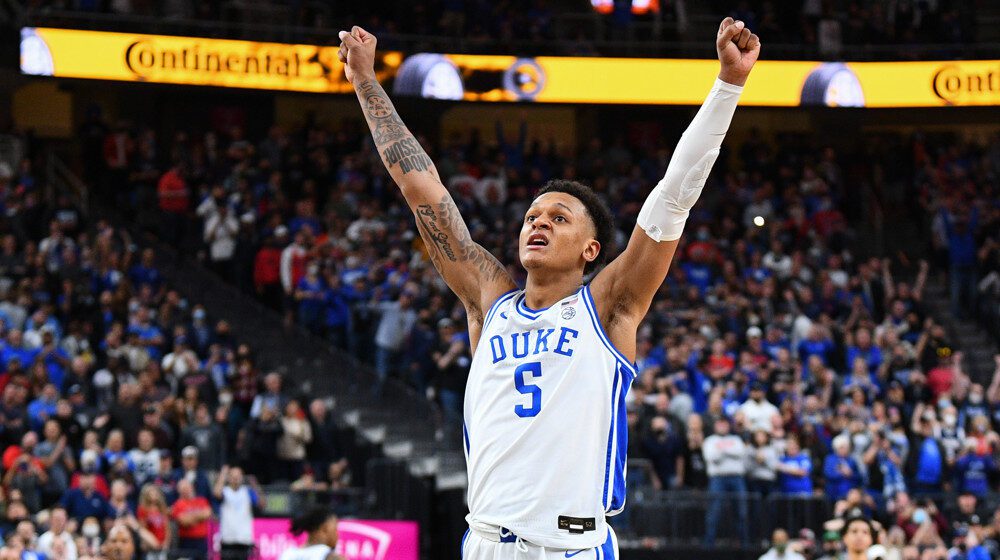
(274, 66)
(685, 82)
(183, 60)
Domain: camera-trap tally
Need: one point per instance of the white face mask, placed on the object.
(950, 420)
(91, 530)
(975, 398)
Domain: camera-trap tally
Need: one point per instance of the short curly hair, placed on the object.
(600, 215)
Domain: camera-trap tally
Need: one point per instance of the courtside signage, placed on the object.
(308, 68)
(358, 539)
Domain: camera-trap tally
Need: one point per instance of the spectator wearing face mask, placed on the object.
(841, 470)
(779, 548)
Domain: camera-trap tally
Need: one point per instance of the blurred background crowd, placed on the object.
(776, 361)
(785, 359)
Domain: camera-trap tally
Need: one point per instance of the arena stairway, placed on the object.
(401, 423)
(977, 345)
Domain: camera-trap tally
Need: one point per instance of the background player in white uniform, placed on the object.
(544, 430)
(321, 527)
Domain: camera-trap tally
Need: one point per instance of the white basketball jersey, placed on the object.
(314, 552)
(545, 422)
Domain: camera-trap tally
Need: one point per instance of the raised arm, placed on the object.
(624, 290)
(475, 275)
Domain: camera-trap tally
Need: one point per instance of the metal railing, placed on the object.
(679, 517)
(283, 501)
(60, 179)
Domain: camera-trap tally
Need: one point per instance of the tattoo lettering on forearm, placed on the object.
(432, 250)
(429, 222)
(468, 250)
(408, 154)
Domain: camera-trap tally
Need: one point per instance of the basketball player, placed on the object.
(321, 527)
(545, 432)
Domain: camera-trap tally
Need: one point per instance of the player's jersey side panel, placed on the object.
(545, 428)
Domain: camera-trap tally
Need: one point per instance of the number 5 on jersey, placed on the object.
(533, 369)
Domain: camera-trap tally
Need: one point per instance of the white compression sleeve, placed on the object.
(666, 209)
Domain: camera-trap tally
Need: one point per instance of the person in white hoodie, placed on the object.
(725, 459)
(57, 532)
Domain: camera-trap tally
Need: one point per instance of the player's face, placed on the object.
(557, 234)
(858, 537)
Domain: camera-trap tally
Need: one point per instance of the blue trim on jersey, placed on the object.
(588, 300)
(524, 311)
(611, 435)
(507, 536)
(607, 550)
(621, 458)
(528, 313)
(496, 304)
(465, 436)
(465, 537)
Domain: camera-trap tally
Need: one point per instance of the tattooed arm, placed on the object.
(471, 271)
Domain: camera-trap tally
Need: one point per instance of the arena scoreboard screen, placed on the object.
(68, 53)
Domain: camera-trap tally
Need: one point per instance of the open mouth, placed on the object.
(537, 240)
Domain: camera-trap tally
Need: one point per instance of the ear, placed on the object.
(591, 250)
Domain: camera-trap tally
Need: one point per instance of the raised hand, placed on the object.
(738, 49)
(357, 52)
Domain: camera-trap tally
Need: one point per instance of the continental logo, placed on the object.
(968, 84)
(147, 59)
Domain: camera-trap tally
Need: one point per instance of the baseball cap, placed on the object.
(446, 322)
(74, 389)
(280, 231)
(757, 386)
(189, 451)
(830, 536)
(754, 332)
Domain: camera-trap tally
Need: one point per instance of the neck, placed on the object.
(857, 555)
(542, 290)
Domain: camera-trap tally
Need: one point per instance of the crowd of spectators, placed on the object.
(127, 417)
(777, 359)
